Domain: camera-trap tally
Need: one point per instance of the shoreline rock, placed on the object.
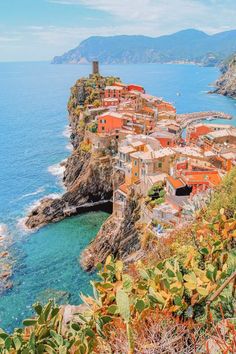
(226, 84)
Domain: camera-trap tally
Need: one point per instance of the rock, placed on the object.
(4, 254)
(5, 275)
(118, 237)
(90, 183)
(226, 84)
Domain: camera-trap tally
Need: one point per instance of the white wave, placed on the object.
(67, 132)
(57, 169)
(69, 147)
(3, 230)
(38, 191)
(21, 226)
(21, 221)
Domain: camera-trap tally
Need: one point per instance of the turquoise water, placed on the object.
(33, 98)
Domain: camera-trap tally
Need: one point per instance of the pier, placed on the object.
(188, 118)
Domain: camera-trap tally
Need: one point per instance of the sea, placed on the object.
(34, 139)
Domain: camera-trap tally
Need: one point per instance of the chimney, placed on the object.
(95, 67)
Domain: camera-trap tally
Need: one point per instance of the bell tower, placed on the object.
(95, 66)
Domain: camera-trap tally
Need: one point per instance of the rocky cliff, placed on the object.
(119, 237)
(226, 84)
(88, 177)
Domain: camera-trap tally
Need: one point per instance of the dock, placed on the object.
(188, 118)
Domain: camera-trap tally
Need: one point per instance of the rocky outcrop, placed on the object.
(118, 237)
(88, 178)
(226, 84)
(89, 181)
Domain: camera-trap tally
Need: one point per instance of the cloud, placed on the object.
(167, 15)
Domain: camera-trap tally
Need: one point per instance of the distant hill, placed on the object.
(185, 46)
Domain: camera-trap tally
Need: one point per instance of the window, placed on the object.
(103, 128)
(136, 174)
(135, 163)
(159, 164)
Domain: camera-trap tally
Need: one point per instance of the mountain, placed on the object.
(184, 46)
(226, 84)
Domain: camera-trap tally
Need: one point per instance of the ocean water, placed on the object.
(33, 140)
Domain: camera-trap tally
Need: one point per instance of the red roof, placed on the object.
(176, 183)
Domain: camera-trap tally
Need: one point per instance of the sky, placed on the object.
(34, 30)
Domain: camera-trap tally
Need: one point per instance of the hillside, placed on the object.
(226, 84)
(178, 299)
(184, 46)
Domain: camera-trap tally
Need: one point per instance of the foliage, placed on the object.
(93, 127)
(224, 196)
(85, 147)
(156, 195)
(136, 307)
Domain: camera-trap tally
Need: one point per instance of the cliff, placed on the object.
(187, 46)
(119, 237)
(226, 84)
(88, 177)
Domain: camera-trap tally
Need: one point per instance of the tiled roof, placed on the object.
(176, 183)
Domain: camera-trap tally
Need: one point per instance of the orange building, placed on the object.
(195, 132)
(110, 121)
(201, 180)
(165, 138)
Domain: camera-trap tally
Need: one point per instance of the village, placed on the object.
(171, 161)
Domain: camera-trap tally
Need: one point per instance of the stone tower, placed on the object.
(95, 67)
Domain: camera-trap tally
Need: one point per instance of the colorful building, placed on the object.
(110, 121)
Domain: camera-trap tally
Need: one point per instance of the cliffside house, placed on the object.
(110, 121)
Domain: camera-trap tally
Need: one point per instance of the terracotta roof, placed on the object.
(176, 183)
(124, 188)
(203, 177)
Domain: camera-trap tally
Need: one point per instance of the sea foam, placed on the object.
(3, 230)
(67, 132)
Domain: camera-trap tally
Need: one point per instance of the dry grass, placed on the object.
(157, 333)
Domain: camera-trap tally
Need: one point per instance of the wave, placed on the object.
(21, 221)
(69, 147)
(67, 132)
(38, 191)
(57, 169)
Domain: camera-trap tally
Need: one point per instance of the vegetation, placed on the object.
(156, 195)
(177, 298)
(93, 127)
(85, 147)
(88, 92)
